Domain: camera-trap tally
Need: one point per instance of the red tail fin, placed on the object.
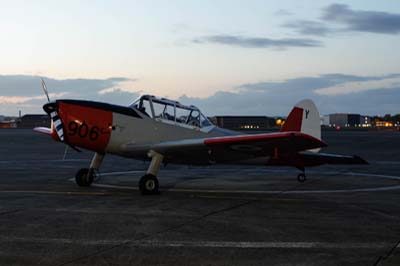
(293, 121)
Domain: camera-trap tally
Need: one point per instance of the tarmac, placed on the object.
(219, 215)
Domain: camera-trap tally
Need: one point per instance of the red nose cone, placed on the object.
(85, 126)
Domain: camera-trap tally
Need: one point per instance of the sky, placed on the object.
(227, 57)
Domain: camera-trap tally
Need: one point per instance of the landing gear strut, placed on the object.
(85, 176)
(148, 184)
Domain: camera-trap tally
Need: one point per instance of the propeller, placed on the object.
(54, 115)
(45, 89)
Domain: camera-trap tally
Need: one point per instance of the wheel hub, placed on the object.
(150, 185)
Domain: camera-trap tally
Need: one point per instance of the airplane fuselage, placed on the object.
(107, 128)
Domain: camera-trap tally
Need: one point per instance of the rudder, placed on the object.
(304, 118)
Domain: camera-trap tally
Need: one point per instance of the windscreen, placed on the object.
(171, 111)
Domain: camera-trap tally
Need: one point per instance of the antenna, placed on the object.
(45, 89)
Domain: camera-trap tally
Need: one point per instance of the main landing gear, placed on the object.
(85, 176)
(302, 176)
(148, 184)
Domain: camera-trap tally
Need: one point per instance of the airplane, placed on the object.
(164, 131)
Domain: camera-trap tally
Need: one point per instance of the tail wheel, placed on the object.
(148, 185)
(84, 177)
(301, 177)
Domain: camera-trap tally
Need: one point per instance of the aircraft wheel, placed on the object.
(84, 177)
(148, 185)
(301, 177)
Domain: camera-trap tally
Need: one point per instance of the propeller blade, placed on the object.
(45, 89)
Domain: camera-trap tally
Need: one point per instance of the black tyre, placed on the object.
(301, 178)
(84, 177)
(148, 185)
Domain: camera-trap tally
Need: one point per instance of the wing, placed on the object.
(231, 148)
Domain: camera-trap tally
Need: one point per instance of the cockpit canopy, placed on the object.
(170, 111)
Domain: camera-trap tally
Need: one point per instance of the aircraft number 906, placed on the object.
(83, 130)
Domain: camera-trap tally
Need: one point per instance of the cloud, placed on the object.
(23, 85)
(305, 84)
(331, 92)
(355, 87)
(339, 18)
(25, 92)
(278, 97)
(364, 21)
(257, 42)
(22, 99)
(309, 27)
(283, 12)
(118, 96)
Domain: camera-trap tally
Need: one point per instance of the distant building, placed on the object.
(31, 121)
(338, 120)
(365, 121)
(383, 124)
(8, 124)
(353, 120)
(348, 120)
(245, 122)
(325, 120)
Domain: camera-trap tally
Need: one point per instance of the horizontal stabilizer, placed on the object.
(43, 130)
(307, 159)
(326, 158)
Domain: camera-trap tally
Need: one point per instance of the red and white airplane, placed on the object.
(166, 131)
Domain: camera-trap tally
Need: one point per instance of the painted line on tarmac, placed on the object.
(41, 161)
(123, 172)
(375, 175)
(327, 191)
(317, 191)
(44, 192)
(199, 170)
(278, 199)
(201, 244)
(386, 162)
(255, 171)
(324, 191)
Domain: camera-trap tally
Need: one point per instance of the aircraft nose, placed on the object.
(51, 109)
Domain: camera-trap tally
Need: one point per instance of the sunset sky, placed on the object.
(227, 57)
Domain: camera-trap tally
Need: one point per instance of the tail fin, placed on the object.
(304, 118)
